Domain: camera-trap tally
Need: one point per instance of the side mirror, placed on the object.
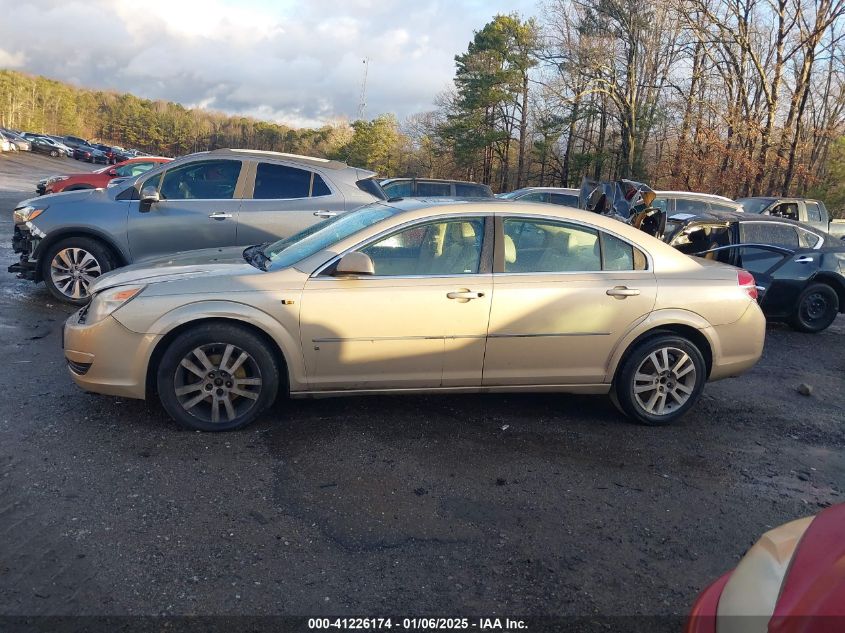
(355, 263)
(149, 195)
(112, 172)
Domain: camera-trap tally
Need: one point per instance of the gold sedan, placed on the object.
(420, 296)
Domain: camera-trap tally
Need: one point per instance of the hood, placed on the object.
(80, 195)
(206, 262)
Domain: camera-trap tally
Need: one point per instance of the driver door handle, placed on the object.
(622, 291)
(325, 214)
(220, 215)
(465, 295)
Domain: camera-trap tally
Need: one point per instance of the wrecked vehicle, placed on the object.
(800, 272)
(209, 199)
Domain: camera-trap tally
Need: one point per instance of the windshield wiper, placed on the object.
(254, 255)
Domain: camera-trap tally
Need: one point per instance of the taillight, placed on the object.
(746, 281)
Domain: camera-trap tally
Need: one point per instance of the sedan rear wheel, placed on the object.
(817, 307)
(660, 379)
(217, 377)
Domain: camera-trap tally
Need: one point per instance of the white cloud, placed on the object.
(294, 62)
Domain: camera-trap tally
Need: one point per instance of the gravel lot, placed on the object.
(442, 505)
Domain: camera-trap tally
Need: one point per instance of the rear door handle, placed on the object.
(325, 214)
(804, 260)
(622, 291)
(220, 215)
(466, 295)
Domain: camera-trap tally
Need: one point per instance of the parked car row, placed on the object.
(61, 146)
(314, 283)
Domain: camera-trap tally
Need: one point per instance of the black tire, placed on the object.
(817, 308)
(665, 385)
(192, 411)
(53, 274)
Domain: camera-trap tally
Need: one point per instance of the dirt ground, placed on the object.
(431, 505)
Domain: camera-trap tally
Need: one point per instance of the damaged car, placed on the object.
(209, 199)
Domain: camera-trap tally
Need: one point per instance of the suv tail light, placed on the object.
(746, 281)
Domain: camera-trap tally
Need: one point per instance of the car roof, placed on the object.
(552, 189)
(695, 194)
(446, 180)
(736, 216)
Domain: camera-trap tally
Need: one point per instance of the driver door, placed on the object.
(199, 207)
(419, 322)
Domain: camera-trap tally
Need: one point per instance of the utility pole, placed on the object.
(362, 103)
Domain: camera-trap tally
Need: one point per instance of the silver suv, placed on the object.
(206, 200)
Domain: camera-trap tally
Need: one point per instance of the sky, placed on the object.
(293, 62)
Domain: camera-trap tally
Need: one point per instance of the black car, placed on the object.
(433, 188)
(800, 271)
(44, 145)
(109, 155)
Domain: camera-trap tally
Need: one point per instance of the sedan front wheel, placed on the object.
(217, 377)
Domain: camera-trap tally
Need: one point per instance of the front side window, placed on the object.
(814, 214)
(280, 182)
(201, 180)
(722, 206)
(400, 189)
(787, 210)
(446, 247)
(768, 233)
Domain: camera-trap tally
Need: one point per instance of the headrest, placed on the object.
(510, 250)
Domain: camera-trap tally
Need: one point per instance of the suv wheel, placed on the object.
(217, 377)
(660, 379)
(817, 307)
(72, 265)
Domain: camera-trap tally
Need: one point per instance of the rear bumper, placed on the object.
(739, 344)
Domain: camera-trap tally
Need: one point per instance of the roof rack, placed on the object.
(309, 160)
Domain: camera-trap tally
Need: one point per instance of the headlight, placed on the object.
(27, 214)
(53, 179)
(105, 302)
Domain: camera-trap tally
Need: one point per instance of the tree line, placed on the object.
(735, 97)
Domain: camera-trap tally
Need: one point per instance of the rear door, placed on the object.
(563, 294)
(198, 208)
(284, 199)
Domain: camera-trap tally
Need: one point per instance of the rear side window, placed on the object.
(280, 182)
(768, 233)
(201, 180)
(463, 190)
(689, 205)
(564, 199)
(807, 239)
(722, 206)
(319, 187)
(814, 214)
(433, 189)
(541, 246)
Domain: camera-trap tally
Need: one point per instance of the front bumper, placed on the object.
(24, 242)
(105, 357)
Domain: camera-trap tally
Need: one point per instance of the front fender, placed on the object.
(285, 335)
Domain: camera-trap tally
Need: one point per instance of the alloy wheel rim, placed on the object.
(73, 270)
(814, 306)
(217, 382)
(664, 381)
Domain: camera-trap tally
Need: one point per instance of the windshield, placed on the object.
(755, 205)
(320, 236)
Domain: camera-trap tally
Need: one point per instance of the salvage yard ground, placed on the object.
(430, 505)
